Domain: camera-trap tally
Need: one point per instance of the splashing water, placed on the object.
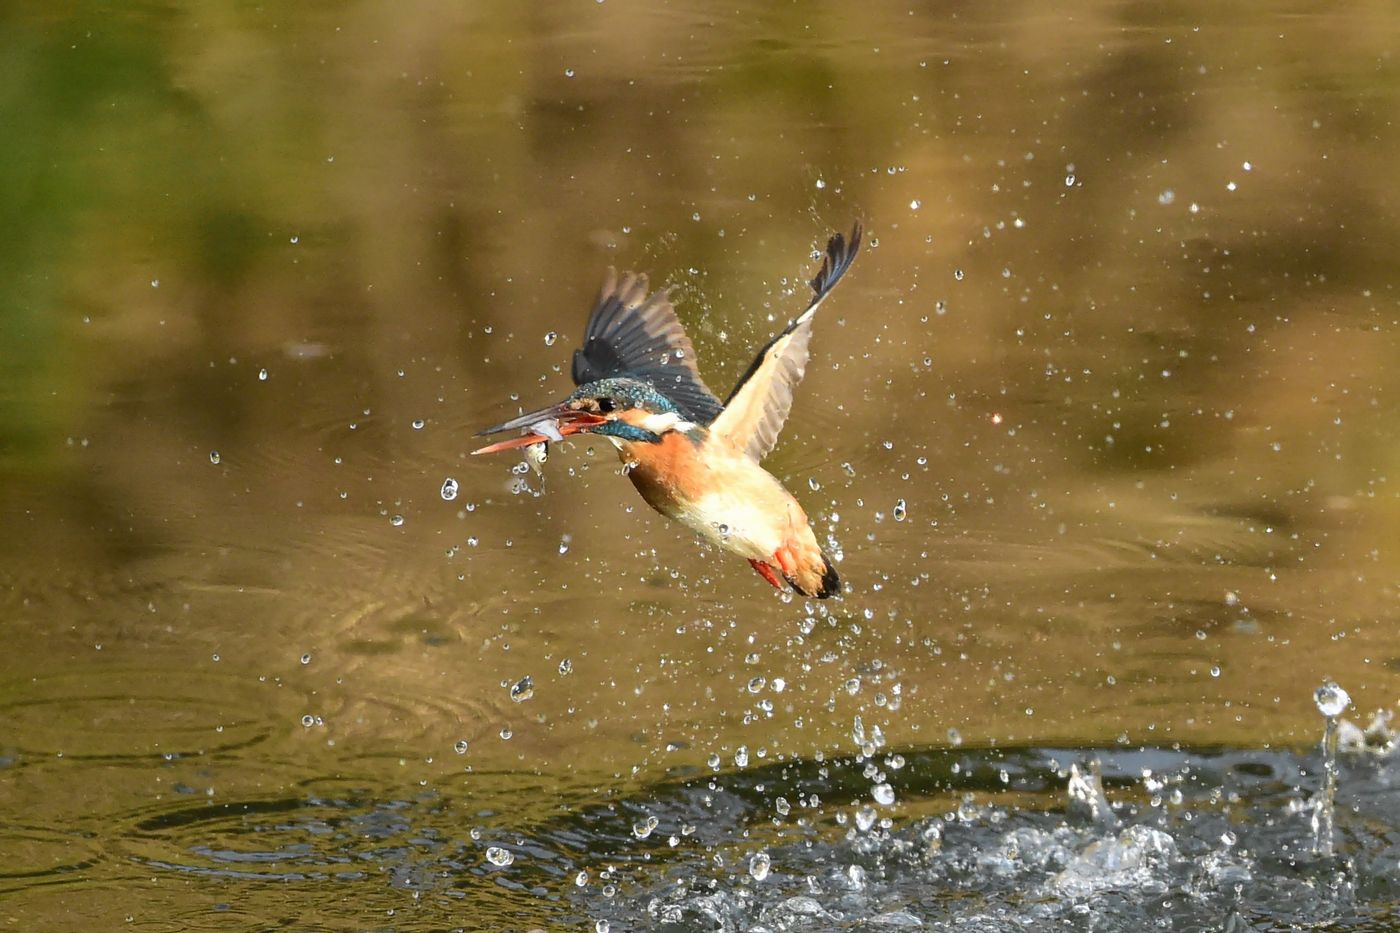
(1086, 794)
(523, 689)
(1331, 701)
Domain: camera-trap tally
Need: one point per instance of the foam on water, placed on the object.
(1231, 849)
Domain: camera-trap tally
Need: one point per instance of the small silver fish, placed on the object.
(548, 428)
(536, 455)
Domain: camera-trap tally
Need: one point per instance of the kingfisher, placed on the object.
(693, 458)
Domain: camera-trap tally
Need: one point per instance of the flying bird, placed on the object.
(693, 458)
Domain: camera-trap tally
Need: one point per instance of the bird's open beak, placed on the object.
(548, 424)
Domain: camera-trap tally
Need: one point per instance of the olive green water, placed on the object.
(1123, 341)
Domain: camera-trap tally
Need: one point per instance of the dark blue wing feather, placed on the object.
(635, 334)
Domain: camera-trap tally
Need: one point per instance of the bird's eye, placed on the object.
(606, 405)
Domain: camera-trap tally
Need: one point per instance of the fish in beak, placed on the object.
(538, 427)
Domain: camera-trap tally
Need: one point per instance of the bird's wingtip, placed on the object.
(840, 253)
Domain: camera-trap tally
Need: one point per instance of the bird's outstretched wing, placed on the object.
(755, 411)
(631, 333)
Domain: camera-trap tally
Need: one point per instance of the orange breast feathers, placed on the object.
(669, 474)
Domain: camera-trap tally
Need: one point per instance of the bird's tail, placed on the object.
(821, 582)
(831, 583)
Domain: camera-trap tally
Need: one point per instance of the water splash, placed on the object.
(1377, 738)
(523, 689)
(1086, 794)
(1331, 701)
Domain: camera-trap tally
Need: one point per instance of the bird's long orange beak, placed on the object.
(559, 420)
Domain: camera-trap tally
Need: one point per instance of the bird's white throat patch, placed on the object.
(669, 421)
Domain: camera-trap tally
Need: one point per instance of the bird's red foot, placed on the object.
(766, 572)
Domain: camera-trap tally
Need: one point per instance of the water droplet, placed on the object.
(812, 484)
(396, 521)
(306, 659)
(214, 457)
(308, 720)
(566, 667)
(262, 375)
(756, 684)
(550, 337)
(821, 183)
(954, 738)
(506, 733)
(1215, 670)
(460, 746)
(915, 204)
(883, 794)
(418, 424)
(581, 879)
(1331, 699)
(564, 544)
(958, 274)
(782, 806)
(295, 240)
(568, 72)
(449, 489)
(759, 866)
(499, 857)
(644, 828)
(1069, 180)
(602, 926)
(713, 761)
(1166, 197)
(848, 469)
(522, 689)
(865, 819)
(741, 757)
(900, 510)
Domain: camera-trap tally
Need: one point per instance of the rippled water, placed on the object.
(1101, 427)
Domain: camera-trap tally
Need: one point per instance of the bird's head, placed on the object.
(628, 410)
